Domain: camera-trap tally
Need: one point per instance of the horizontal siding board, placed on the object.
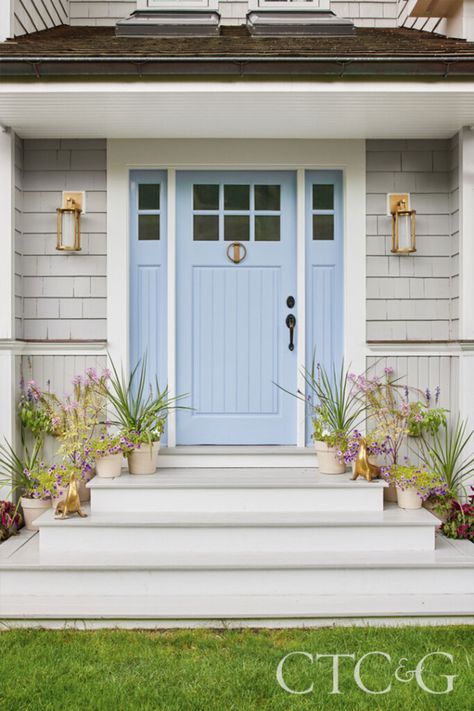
(65, 295)
(410, 296)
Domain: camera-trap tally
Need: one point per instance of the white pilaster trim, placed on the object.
(355, 305)
(301, 301)
(6, 20)
(171, 300)
(7, 232)
(466, 232)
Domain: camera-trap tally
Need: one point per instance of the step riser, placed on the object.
(239, 582)
(236, 539)
(232, 461)
(235, 500)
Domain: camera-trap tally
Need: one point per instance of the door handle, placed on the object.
(291, 323)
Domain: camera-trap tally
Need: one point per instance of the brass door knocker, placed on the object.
(236, 252)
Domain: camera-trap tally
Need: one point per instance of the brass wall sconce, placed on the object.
(403, 224)
(69, 222)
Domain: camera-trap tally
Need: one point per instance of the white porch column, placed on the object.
(466, 268)
(7, 308)
(6, 19)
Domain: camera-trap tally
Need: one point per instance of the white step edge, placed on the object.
(248, 456)
(27, 556)
(392, 516)
(234, 607)
(392, 529)
(216, 490)
(236, 478)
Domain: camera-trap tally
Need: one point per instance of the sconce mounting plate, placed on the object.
(394, 198)
(79, 199)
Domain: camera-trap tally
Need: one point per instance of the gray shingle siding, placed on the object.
(411, 297)
(375, 13)
(64, 295)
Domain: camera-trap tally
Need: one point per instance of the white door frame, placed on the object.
(221, 154)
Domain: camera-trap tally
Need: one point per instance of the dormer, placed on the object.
(273, 18)
(171, 18)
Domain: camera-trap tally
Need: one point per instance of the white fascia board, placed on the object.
(242, 87)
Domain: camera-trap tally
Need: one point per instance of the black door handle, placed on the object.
(291, 323)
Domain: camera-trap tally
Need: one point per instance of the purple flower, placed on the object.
(388, 370)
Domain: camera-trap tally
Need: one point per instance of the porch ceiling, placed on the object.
(237, 109)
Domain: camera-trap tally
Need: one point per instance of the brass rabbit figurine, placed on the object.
(362, 465)
(72, 503)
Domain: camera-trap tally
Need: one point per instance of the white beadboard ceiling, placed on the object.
(237, 109)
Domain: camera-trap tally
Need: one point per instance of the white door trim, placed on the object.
(298, 155)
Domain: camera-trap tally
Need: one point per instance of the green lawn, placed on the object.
(227, 671)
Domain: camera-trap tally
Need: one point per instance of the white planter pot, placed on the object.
(327, 459)
(144, 460)
(409, 499)
(32, 509)
(110, 466)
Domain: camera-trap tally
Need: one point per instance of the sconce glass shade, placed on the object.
(403, 230)
(69, 228)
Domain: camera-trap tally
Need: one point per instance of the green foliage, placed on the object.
(427, 483)
(423, 419)
(141, 409)
(335, 408)
(448, 453)
(14, 468)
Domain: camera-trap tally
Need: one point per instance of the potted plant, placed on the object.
(75, 420)
(108, 450)
(141, 410)
(448, 453)
(458, 518)
(10, 520)
(423, 419)
(335, 414)
(21, 474)
(414, 484)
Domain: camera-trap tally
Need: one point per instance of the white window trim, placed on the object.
(297, 155)
(177, 4)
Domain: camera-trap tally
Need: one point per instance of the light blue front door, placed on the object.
(232, 342)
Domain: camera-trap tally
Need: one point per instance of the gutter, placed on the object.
(444, 66)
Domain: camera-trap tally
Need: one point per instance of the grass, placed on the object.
(116, 670)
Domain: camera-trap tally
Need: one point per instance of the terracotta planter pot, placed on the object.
(327, 459)
(409, 499)
(110, 466)
(32, 509)
(144, 460)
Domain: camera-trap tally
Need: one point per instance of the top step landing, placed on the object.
(207, 457)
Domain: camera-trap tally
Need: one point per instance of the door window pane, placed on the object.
(267, 197)
(323, 227)
(267, 228)
(236, 228)
(148, 227)
(236, 197)
(149, 196)
(323, 197)
(206, 197)
(206, 228)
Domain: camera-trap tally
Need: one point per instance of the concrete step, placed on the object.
(234, 490)
(267, 532)
(446, 570)
(206, 457)
(233, 610)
